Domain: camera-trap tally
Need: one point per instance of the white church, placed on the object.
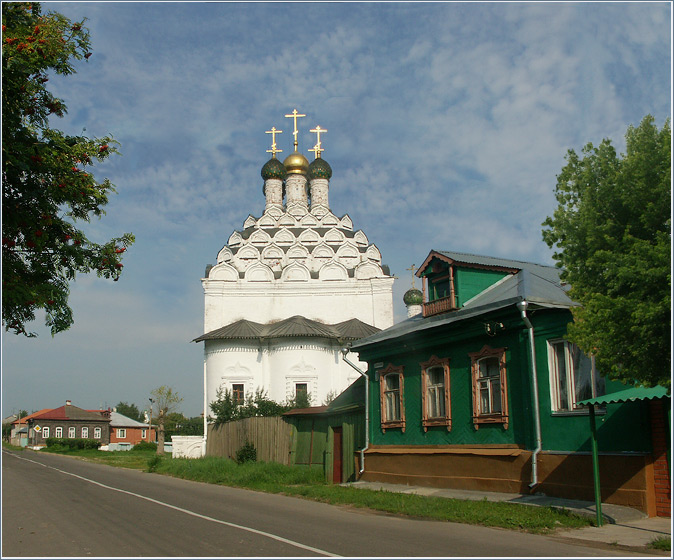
(291, 288)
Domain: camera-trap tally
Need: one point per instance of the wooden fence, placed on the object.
(271, 437)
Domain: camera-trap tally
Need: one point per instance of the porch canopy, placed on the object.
(631, 394)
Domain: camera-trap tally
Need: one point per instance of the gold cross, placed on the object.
(317, 148)
(294, 116)
(412, 268)
(273, 133)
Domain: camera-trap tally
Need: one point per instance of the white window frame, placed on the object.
(121, 433)
(97, 432)
(72, 432)
(143, 433)
(85, 432)
(58, 432)
(596, 381)
(45, 432)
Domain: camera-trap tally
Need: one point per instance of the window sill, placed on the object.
(580, 412)
(392, 425)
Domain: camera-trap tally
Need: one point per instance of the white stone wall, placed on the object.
(276, 366)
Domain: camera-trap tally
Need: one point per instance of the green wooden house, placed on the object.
(480, 390)
(330, 437)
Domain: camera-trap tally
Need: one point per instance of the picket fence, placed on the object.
(271, 437)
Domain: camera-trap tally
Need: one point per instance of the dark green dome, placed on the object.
(273, 169)
(413, 297)
(319, 169)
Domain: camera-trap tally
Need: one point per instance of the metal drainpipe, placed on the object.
(345, 351)
(522, 306)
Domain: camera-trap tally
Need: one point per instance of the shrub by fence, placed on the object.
(269, 435)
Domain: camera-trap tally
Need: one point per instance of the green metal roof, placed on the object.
(632, 394)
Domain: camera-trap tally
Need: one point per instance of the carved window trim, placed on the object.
(392, 370)
(489, 418)
(446, 419)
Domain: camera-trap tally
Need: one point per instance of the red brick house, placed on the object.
(126, 430)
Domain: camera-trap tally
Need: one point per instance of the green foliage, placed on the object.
(130, 411)
(154, 462)
(246, 454)
(611, 231)
(47, 183)
(661, 543)
(6, 431)
(226, 408)
(179, 425)
(144, 446)
(72, 443)
(166, 400)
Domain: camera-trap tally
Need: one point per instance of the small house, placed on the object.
(479, 389)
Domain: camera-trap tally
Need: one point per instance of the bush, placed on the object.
(145, 446)
(153, 463)
(73, 443)
(246, 454)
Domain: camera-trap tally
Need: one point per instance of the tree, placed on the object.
(130, 411)
(226, 408)
(166, 401)
(612, 231)
(47, 184)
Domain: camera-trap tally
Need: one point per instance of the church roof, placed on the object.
(296, 326)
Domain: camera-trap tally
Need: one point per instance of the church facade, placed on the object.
(290, 289)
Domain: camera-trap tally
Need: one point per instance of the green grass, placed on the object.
(309, 484)
(661, 543)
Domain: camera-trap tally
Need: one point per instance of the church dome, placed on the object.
(319, 169)
(296, 163)
(413, 297)
(273, 169)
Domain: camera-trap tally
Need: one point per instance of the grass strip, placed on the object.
(309, 483)
(661, 543)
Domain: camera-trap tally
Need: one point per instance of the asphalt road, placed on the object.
(60, 506)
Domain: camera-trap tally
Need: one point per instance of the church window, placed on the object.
(490, 395)
(301, 393)
(391, 392)
(238, 393)
(435, 394)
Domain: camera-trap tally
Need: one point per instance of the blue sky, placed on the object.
(447, 125)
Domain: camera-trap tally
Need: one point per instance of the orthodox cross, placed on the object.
(273, 133)
(294, 116)
(317, 148)
(412, 268)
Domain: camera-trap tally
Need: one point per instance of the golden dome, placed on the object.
(296, 163)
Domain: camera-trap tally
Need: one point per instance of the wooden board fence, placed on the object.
(271, 437)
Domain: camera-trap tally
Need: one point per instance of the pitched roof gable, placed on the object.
(70, 412)
(539, 285)
(297, 326)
